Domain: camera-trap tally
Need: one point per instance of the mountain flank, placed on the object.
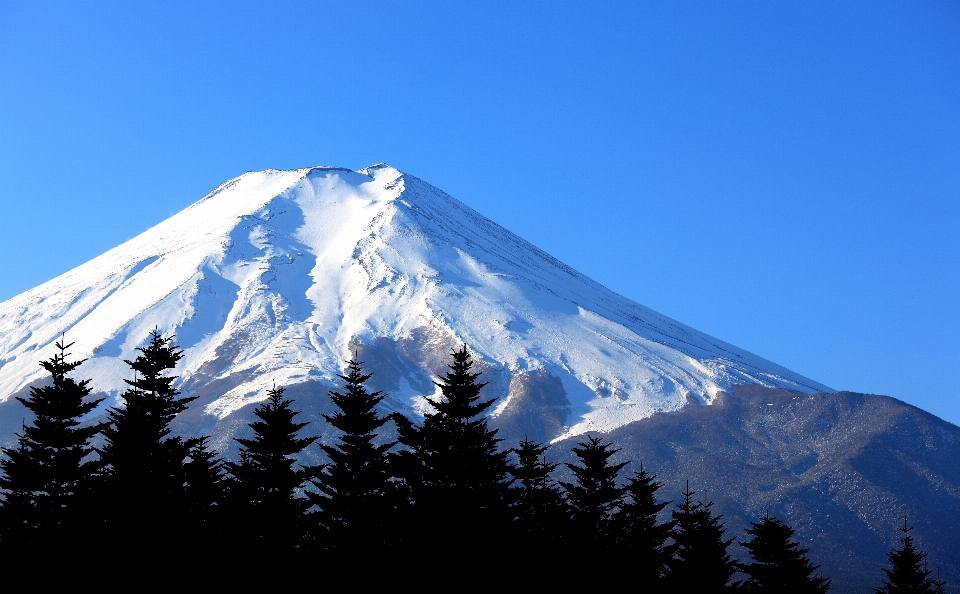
(842, 468)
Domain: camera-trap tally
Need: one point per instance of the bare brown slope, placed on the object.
(842, 468)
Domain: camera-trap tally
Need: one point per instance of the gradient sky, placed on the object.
(782, 175)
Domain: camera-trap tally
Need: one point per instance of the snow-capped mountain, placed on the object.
(282, 275)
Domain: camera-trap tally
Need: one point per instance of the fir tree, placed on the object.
(640, 537)
(205, 491)
(146, 480)
(909, 574)
(47, 477)
(780, 564)
(541, 511)
(458, 478)
(267, 480)
(700, 562)
(18, 514)
(357, 498)
(595, 497)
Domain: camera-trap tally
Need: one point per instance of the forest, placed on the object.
(446, 504)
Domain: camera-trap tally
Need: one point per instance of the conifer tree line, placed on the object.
(447, 495)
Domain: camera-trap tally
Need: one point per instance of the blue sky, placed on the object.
(784, 176)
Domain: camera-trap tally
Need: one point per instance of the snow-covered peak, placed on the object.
(277, 275)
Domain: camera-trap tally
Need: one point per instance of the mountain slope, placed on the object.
(841, 468)
(280, 275)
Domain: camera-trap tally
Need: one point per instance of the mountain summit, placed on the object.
(282, 275)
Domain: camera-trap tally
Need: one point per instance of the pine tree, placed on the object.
(458, 478)
(47, 477)
(909, 574)
(267, 480)
(780, 564)
(205, 492)
(541, 511)
(357, 498)
(146, 486)
(18, 514)
(700, 560)
(596, 496)
(640, 538)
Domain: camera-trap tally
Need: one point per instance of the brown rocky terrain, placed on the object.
(841, 468)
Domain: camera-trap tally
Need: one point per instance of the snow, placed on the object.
(273, 274)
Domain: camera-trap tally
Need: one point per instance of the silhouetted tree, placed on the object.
(458, 478)
(268, 478)
(47, 477)
(595, 496)
(357, 498)
(780, 564)
(700, 562)
(146, 480)
(18, 516)
(640, 538)
(206, 491)
(541, 511)
(909, 574)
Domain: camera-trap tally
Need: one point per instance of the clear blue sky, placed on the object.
(782, 175)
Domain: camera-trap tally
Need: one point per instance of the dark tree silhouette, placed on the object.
(640, 538)
(700, 560)
(267, 480)
(541, 513)
(909, 573)
(595, 496)
(458, 478)
(780, 564)
(146, 487)
(47, 477)
(206, 491)
(357, 498)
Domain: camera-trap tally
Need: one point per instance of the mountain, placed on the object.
(281, 276)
